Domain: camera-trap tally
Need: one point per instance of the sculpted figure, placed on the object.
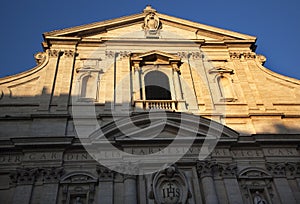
(258, 199)
(78, 200)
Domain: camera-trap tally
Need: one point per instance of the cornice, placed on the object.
(43, 59)
(206, 27)
(276, 75)
(125, 20)
(104, 23)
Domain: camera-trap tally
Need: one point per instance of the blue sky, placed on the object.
(275, 23)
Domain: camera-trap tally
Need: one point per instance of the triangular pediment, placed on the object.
(155, 57)
(163, 125)
(133, 26)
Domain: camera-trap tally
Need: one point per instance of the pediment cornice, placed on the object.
(155, 57)
(182, 125)
(103, 26)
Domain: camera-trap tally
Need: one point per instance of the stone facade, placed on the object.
(140, 82)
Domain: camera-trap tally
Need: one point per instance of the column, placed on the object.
(142, 84)
(205, 172)
(233, 191)
(24, 179)
(51, 177)
(106, 186)
(130, 182)
(136, 94)
(284, 190)
(50, 77)
(22, 194)
(176, 82)
(278, 170)
(64, 79)
(178, 91)
(228, 172)
(130, 195)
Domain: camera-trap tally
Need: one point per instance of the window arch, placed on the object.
(87, 87)
(157, 86)
(225, 87)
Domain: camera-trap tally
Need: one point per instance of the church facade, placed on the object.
(149, 109)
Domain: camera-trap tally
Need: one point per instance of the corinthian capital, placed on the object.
(52, 174)
(205, 168)
(105, 173)
(24, 176)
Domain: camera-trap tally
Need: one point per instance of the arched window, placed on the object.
(157, 86)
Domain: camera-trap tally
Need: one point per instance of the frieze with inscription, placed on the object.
(15, 158)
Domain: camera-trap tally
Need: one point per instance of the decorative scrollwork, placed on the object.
(262, 59)
(40, 57)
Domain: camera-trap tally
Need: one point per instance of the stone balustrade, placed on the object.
(156, 104)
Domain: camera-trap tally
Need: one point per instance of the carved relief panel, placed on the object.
(77, 188)
(257, 187)
(152, 23)
(170, 186)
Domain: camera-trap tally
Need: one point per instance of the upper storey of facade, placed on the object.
(151, 61)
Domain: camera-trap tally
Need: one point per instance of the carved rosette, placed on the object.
(170, 186)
